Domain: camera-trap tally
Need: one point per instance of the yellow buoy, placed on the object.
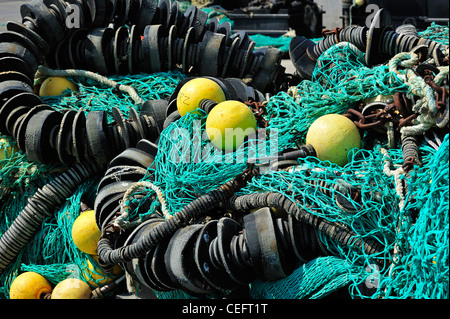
(359, 3)
(71, 288)
(195, 90)
(56, 85)
(333, 136)
(29, 285)
(229, 123)
(85, 232)
(95, 276)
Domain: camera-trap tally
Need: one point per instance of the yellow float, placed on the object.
(229, 123)
(85, 233)
(333, 136)
(71, 288)
(55, 85)
(29, 285)
(195, 90)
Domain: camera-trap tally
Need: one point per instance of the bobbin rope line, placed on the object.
(45, 71)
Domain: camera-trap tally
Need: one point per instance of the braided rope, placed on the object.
(122, 221)
(44, 71)
(426, 105)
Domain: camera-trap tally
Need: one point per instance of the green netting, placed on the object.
(281, 42)
(340, 83)
(422, 269)
(414, 225)
(435, 32)
(91, 96)
(188, 165)
(379, 215)
(313, 280)
(52, 252)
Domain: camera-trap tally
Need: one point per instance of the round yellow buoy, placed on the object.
(29, 285)
(359, 3)
(333, 136)
(95, 276)
(195, 90)
(85, 232)
(229, 123)
(56, 85)
(71, 288)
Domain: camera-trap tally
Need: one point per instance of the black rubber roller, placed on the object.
(22, 99)
(64, 138)
(263, 245)
(132, 157)
(11, 88)
(10, 63)
(14, 118)
(37, 14)
(121, 173)
(99, 146)
(298, 51)
(21, 127)
(30, 34)
(116, 191)
(157, 110)
(179, 260)
(14, 37)
(38, 138)
(79, 139)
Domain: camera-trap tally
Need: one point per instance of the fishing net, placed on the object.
(52, 252)
(313, 280)
(412, 226)
(342, 81)
(93, 96)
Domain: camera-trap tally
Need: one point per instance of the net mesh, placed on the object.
(413, 225)
(52, 253)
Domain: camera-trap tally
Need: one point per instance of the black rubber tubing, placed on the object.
(108, 256)
(334, 231)
(41, 205)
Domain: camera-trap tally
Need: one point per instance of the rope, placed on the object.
(44, 71)
(402, 65)
(397, 174)
(121, 221)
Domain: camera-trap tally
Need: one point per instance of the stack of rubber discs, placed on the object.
(379, 42)
(113, 37)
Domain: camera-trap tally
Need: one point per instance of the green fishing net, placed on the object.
(52, 252)
(92, 96)
(412, 226)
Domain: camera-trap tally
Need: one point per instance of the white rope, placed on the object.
(397, 173)
(122, 220)
(44, 71)
(425, 106)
